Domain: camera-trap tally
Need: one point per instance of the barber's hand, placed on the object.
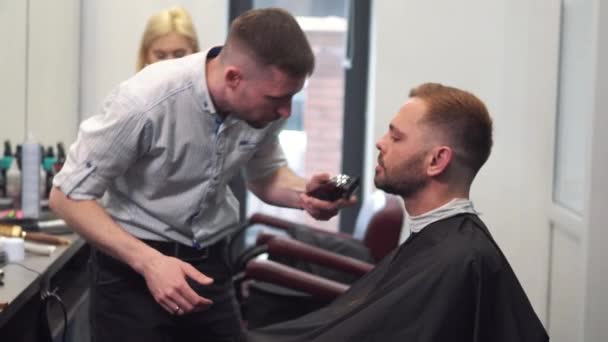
(166, 279)
(319, 209)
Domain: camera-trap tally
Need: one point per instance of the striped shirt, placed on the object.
(161, 157)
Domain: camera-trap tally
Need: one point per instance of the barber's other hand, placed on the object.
(166, 280)
(320, 209)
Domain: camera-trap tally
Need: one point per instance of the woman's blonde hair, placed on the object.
(175, 19)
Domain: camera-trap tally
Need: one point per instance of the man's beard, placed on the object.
(407, 181)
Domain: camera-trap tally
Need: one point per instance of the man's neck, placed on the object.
(213, 72)
(429, 199)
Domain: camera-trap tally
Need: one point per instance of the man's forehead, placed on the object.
(278, 74)
(410, 113)
(283, 85)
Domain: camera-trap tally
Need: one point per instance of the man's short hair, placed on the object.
(462, 117)
(274, 38)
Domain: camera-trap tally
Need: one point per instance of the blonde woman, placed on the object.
(168, 34)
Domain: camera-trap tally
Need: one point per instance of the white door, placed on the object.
(578, 278)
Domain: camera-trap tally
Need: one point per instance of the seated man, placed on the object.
(449, 281)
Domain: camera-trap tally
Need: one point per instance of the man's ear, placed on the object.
(441, 157)
(232, 77)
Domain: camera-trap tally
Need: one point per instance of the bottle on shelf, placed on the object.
(5, 164)
(48, 166)
(13, 182)
(30, 178)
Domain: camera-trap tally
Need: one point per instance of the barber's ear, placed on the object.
(232, 76)
(441, 156)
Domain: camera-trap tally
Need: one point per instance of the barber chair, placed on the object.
(291, 269)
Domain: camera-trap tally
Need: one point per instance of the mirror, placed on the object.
(111, 34)
(61, 58)
(39, 65)
(12, 70)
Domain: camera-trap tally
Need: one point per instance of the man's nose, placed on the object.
(378, 146)
(285, 110)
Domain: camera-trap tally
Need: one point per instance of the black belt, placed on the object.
(181, 251)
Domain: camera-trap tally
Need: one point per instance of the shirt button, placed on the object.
(195, 244)
(88, 164)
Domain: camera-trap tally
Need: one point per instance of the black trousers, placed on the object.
(124, 310)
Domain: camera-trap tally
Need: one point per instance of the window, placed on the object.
(574, 104)
(313, 138)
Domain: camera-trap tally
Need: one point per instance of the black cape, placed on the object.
(450, 282)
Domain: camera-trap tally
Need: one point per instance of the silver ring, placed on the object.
(177, 308)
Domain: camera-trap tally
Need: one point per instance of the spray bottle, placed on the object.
(30, 178)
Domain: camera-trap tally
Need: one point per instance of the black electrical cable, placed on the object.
(27, 268)
(45, 298)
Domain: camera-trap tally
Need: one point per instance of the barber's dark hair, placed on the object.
(274, 38)
(462, 117)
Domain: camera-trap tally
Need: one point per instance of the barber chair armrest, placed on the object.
(272, 272)
(286, 247)
(276, 222)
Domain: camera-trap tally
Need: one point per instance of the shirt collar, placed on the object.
(207, 102)
(452, 208)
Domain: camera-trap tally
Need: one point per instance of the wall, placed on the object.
(506, 53)
(596, 299)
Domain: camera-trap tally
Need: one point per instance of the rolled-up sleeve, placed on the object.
(269, 155)
(106, 146)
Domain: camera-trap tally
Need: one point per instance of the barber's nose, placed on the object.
(285, 110)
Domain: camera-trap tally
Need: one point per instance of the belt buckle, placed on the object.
(204, 252)
(181, 252)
